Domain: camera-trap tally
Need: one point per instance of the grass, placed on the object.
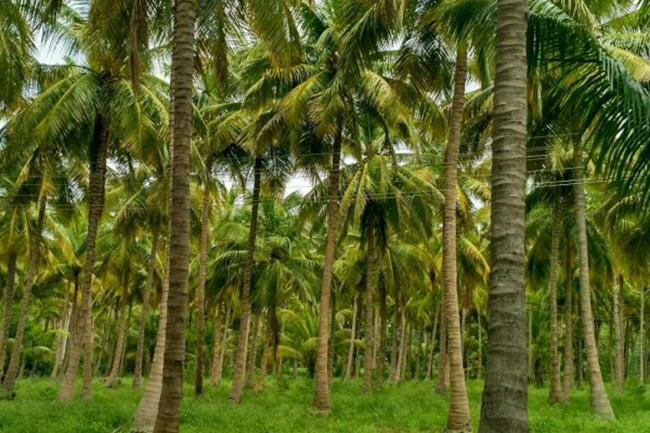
(284, 407)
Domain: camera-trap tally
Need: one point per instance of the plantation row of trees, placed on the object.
(383, 189)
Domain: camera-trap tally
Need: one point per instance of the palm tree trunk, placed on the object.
(441, 382)
(568, 325)
(7, 302)
(381, 349)
(505, 394)
(244, 321)
(401, 354)
(330, 346)
(353, 333)
(9, 383)
(83, 335)
(321, 399)
(111, 382)
(622, 326)
(72, 327)
(432, 348)
(642, 338)
(405, 351)
(200, 288)
(61, 339)
(167, 419)
(266, 353)
(599, 400)
(151, 269)
(618, 338)
(394, 344)
(458, 419)
(252, 356)
(579, 363)
(215, 375)
(556, 387)
(479, 371)
(371, 283)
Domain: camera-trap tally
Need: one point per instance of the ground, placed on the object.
(284, 407)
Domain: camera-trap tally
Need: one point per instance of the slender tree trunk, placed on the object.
(167, 420)
(111, 382)
(394, 345)
(432, 349)
(244, 322)
(505, 394)
(441, 382)
(266, 351)
(567, 385)
(72, 327)
(406, 345)
(371, 283)
(579, 363)
(401, 357)
(353, 333)
(555, 393)
(618, 338)
(381, 349)
(622, 325)
(479, 372)
(642, 338)
(458, 418)
(83, 334)
(252, 356)
(215, 374)
(151, 269)
(9, 384)
(200, 288)
(61, 339)
(102, 345)
(599, 400)
(7, 302)
(330, 346)
(321, 399)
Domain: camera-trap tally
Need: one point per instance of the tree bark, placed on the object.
(556, 387)
(330, 347)
(83, 335)
(321, 399)
(151, 269)
(381, 349)
(244, 322)
(432, 349)
(200, 288)
(458, 418)
(252, 356)
(167, 420)
(642, 338)
(266, 351)
(9, 384)
(371, 283)
(7, 303)
(618, 338)
(505, 394)
(353, 333)
(568, 324)
(599, 400)
(111, 382)
(215, 375)
(441, 382)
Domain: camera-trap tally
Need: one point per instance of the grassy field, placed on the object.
(284, 407)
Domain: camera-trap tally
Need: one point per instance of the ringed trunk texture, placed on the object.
(9, 384)
(458, 418)
(244, 322)
(371, 283)
(83, 334)
(321, 399)
(7, 302)
(619, 369)
(167, 420)
(599, 400)
(441, 383)
(200, 288)
(505, 394)
(555, 393)
(151, 268)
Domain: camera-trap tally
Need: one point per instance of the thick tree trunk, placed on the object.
(200, 288)
(111, 382)
(505, 394)
(555, 393)
(458, 418)
(151, 269)
(371, 283)
(599, 400)
(619, 369)
(353, 333)
(244, 321)
(83, 334)
(252, 356)
(7, 302)
(321, 399)
(167, 420)
(9, 383)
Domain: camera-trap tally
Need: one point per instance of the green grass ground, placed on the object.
(284, 407)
